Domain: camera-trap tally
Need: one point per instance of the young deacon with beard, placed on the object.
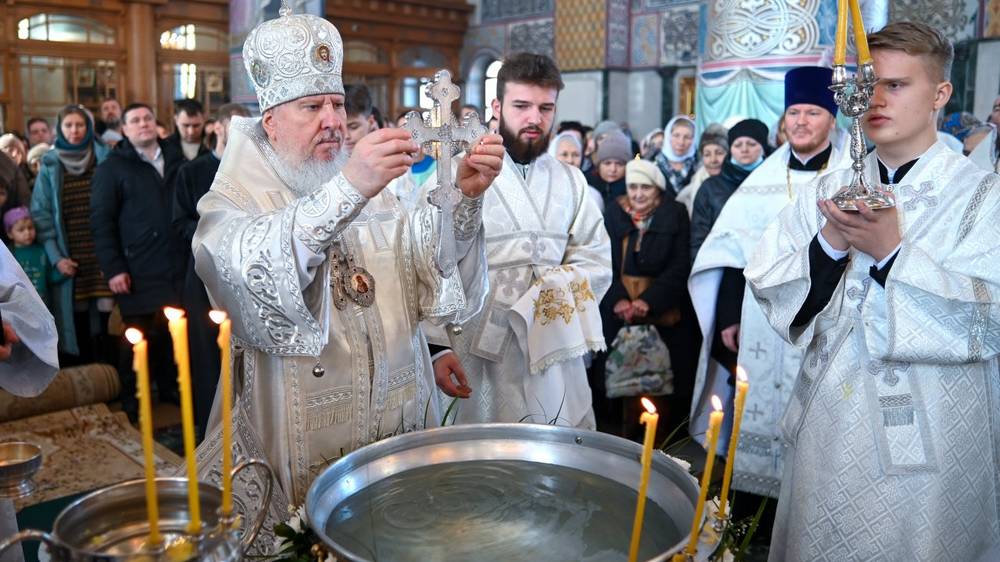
(537, 215)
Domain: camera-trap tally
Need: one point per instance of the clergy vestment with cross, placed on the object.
(533, 222)
(893, 427)
(441, 137)
(771, 364)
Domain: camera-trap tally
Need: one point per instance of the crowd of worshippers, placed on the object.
(100, 210)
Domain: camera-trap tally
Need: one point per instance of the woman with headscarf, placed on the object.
(60, 207)
(677, 158)
(712, 150)
(567, 148)
(649, 234)
(651, 144)
(747, 150)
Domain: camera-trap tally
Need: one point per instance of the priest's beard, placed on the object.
(310, 174)
(522, 151)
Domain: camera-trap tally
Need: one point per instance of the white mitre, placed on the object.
(293, 56)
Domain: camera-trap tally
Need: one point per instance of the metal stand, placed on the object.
(18, 463)
(854, 98)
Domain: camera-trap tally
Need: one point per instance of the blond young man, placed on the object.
(893, 426)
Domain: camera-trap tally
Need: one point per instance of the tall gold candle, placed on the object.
(712, 443)
(860, 38)
(742, 386)
(649, 418)
(140, 364)
(226, 391)
(840, 41)
(178, 334)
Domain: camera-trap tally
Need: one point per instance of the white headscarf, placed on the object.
(554, 143)
(668, 151)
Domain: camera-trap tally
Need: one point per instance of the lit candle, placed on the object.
(140, 364)
(649, 418)
(860, 39)
(178, 333)
(712, 437)
(742, 386)
(840, 42)
(226, 388)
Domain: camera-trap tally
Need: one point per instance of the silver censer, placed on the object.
(853, 97)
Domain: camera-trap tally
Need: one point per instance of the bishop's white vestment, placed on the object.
(771, 364)
(535, 217)
(314, 381)
(894, 422)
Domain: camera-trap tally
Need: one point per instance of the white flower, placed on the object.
(683, 463)
(329, 558)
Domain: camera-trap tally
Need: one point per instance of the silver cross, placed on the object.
(442, 135)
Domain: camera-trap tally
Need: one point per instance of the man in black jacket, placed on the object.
(193, 181)
(189, 129)
(131, 201)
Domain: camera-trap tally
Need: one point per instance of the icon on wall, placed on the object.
(214, 83)
(86, 77)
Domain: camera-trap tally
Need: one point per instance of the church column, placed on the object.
(748, 46)
(140, 44)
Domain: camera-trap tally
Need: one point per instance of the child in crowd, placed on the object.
(30, 254)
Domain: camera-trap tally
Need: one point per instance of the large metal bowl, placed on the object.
(499, 492)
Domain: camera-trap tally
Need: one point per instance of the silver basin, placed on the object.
(507, 492)
(19, 462)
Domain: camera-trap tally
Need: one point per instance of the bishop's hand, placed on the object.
(379, 158)
(481, 165)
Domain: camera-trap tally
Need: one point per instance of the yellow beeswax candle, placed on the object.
(712, 442)
(178, 334)
(742, 386)
(860, 38)
(840, 41)
(226, 391)
(649, 418)
(140, 364)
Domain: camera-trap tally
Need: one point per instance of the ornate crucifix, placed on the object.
(442, 136)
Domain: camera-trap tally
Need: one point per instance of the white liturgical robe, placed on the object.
(314, 381)
(894, 421)
(535, 217)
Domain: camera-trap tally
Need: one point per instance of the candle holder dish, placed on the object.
(111, 525)
(19, 461)
(853, 97)
(499, 492)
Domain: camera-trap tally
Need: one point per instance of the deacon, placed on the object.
(717, 286)
(537, 216)
(892, 426)
(324, 275)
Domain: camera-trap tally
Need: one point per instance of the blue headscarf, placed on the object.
(76, 158)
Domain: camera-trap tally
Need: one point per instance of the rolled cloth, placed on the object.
(76, 386)
(644, 172)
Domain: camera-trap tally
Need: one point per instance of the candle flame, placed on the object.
(133, 335)
(173, 313)
(741, 374)
(217, 316)
(648, 405)
(716, 403)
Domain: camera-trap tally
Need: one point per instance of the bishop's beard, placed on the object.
(312, 173)
(522, 151)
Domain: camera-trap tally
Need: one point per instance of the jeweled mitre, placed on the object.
(293, 56)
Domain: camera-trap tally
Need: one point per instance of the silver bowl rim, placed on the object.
(35, 457)
(379, 449)
(123, 484)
